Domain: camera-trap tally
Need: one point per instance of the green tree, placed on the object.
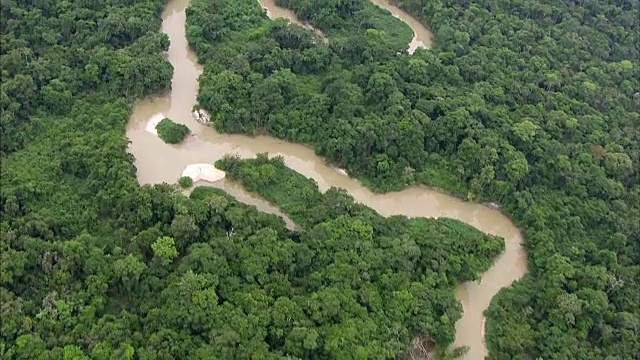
(164, 249)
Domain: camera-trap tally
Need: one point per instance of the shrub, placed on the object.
(185, 182)
(171, 132)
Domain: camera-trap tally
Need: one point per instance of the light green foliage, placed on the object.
(526, 130)
(73, 352)
(164, 249)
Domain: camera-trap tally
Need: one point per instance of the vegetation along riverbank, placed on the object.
(511, 105)
(533, 106)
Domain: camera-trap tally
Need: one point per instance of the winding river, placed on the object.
(158, 162)
(422, 37)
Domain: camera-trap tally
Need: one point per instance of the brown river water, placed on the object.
(158, 162)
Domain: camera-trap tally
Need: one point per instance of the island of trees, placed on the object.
(532, 105)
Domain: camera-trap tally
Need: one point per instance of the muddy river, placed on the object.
(158, 162)
(422, 37)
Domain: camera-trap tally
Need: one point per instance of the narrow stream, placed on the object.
(158, 162)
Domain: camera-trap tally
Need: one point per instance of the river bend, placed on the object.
(157, 162)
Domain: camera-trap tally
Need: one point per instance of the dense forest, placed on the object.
(95, 266)
(340, 19)
(530, 104)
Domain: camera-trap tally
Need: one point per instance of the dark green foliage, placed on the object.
(185, 182)
(570, 105)
(342, 19)
(376, 260)
(52, 52)
(532, 105)
(171, 132)
(94, 266)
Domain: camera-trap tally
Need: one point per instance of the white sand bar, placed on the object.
(205, 172)
(342, 172)
(202, 116)
(153, 122)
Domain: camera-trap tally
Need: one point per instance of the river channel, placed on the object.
(157, 162)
